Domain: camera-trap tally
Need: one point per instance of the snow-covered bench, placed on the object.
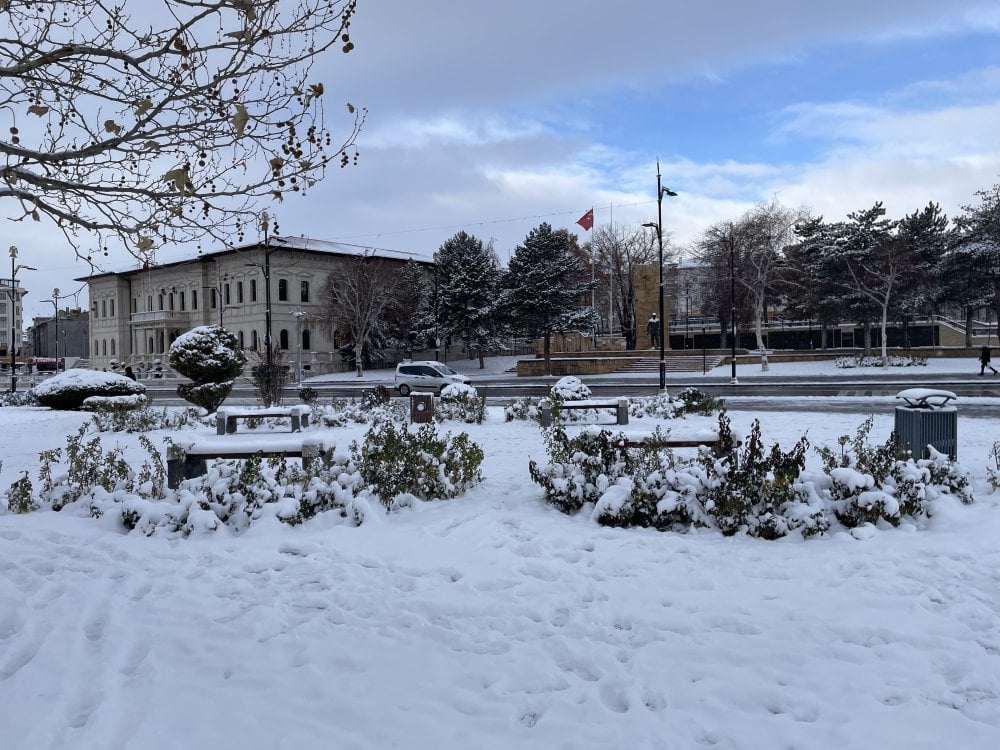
(188, 460)
(620, 405)
(226, 417)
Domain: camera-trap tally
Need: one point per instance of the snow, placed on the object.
(79, 379)
(494, 621)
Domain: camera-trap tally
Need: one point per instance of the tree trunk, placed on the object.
(759, 331)
(968, 325)
(547, 352)
(884, 324)
(867, 339)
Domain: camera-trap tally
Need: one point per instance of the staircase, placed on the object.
(674, 363)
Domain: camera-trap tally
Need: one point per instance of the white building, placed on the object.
(11, 323)
(136, 314)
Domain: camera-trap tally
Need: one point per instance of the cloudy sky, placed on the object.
(493, 117)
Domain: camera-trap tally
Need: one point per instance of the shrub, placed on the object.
(395, 461)
(208, 396)
(660, 406)
(270, 375)
(308, 395)
(115, 404)
(145, 419)
(522, 408)
(207, 354)
(570, 388)
(68, 390)
(460, 402)
(18, 398)
(993, 471)
(693, 401)
(892, 360)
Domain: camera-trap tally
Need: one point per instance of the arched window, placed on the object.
(160, 301)
(112, 311)
(283, 339)
(112, 347)
(239, 338)
(239, 292)
(194, 299)
(149, 345)
(304, 291)
(253, 290)
(104, 347)
(306, 340)
(104, 308)
(283, 290)
(253, 339)
(97, 347)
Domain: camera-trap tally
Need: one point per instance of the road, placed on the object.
(859, 393)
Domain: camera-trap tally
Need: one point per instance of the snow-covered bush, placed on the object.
(341, 412)
(693, 401)
(68, 390)
(117, 404)
(993, 472)
(211, 357)
(570, 388)
(893, 360)
(18, 398)
(583, 467)
(146, 419)
(461, 403)
(398, 463)
(660, 406)
(525, 408)
(753, 491)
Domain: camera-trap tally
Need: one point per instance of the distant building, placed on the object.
(73, 339)
(136, 314)
(11, 322)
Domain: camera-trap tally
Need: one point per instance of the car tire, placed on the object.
(404, 390)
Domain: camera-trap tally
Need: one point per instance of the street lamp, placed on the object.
(732, 303)
(298, 315)
(55, 304)
(11, 292)
(658, 226)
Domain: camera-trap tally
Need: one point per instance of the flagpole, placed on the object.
(611, 276)
(593, 291)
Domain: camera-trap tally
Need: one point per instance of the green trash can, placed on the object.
(927, 419)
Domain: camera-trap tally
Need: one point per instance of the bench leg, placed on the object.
(622, 411)
(230, 425)
(296, 423)
(305, 419)
(175, 472)
(220, 424)
(545, 415)
(194, 466)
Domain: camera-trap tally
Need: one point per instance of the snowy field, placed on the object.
(493, 621)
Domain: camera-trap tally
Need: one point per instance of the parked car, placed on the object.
(425, 376)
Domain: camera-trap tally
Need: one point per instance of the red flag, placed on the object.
(587, 220)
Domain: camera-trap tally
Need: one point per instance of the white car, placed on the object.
(425, 375)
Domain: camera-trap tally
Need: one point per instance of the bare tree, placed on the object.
(170, 126)
(618, 252)
(757, 241)
(355, 299)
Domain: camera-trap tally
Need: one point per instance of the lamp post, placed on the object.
(299, 315)
(732, 303)
(12, 293)
(658, 226)
(55, 305)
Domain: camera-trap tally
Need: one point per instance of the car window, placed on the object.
(446, 370)
(430, 372)
(407, 370)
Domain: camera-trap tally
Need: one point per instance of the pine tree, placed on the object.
(545, 287)
(468, 283)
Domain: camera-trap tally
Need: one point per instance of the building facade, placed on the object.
(11, 321)
(71, 341)
(135, 315)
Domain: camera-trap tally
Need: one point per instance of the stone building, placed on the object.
(136, 314)
(73, 335)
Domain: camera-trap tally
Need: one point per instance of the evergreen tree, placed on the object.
(980, 241)
(545, 288)
(468, 284)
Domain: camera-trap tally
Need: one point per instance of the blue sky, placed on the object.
(492, 117)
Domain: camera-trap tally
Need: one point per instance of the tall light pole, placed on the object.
(658, 226)
(732, 303)
(265, 223)
(55, 304)
(12, 293)
(299, 315)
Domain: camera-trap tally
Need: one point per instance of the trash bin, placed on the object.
(927, 419)
(421, 407)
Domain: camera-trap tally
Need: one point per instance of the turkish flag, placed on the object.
(587, 220)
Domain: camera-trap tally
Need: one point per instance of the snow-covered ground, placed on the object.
(494, 621)
(498, 365)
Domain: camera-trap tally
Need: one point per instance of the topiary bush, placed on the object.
(209, 396)
(68, 390)
(211, 357)
(570, 388)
